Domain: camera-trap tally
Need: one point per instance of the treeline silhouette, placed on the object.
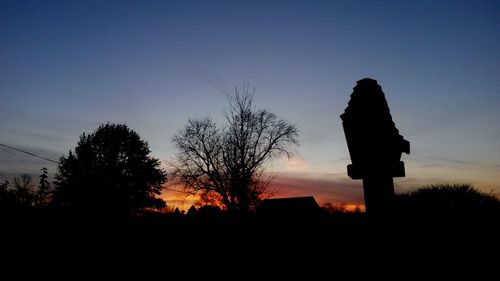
(104, 198)
(111, 173)
(24, 198)
(446, 220)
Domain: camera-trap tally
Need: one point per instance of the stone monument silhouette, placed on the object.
(374, 144)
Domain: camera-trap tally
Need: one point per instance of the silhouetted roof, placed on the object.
(291, 205)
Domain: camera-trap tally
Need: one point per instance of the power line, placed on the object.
(29, 153)
(57, 162)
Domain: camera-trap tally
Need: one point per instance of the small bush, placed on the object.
(448, 198)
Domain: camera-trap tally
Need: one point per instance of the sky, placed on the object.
(68, 66)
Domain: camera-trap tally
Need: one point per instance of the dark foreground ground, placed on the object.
(357, 244)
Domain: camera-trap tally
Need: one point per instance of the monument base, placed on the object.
(379, 194)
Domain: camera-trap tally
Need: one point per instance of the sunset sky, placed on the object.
(68, 66)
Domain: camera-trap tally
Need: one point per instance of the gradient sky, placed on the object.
(67, 66)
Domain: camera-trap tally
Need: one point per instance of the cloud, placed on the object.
(176, 197)
(296, 163)
(449, 160)
(324, 187)
(38, 135)
(334, 188)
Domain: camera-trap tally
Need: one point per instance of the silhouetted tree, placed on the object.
(192, 211)
(357, 209)
(111, 170)
(42, 196)
(209, 212)
(3, 186)
(227, 164)
(7, 197)
(177, 212)
(24, 190)
(331, 208)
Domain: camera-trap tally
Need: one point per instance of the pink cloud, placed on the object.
(332, 188)
(325, 188)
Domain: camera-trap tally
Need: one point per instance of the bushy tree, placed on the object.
(110, 170)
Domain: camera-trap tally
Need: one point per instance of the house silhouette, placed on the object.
(292, 207)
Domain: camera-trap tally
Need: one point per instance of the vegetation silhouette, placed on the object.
(339, 208)
(374, 143)
(227, 165)
(43, 195)
(8, 200)
(110, 171)
(448, 198)
(24, 190)
(112, 175)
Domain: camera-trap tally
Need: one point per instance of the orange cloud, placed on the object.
(296, 163)
(176, 197)
(325, 188)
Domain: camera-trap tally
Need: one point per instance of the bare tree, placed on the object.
(24, 189)
(227, 165)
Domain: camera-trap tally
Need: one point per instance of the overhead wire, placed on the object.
(29, 153)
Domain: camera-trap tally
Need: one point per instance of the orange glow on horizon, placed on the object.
(355, 208)
(176, 197)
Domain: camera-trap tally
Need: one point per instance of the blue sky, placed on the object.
(67, 66)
